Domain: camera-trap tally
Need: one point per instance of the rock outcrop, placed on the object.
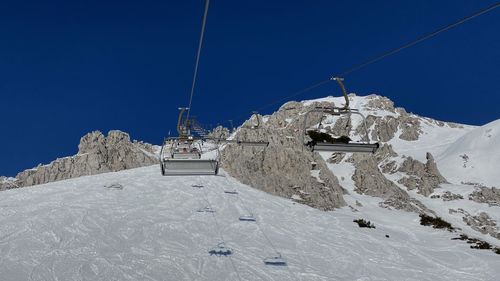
(219, 132)
(7, 183)
(481, 222)
(424, 177)
(96, 154)
(490, 196)
(285, 167)
(369, 180)
(448, 196)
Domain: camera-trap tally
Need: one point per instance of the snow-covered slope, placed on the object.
(467, 156)
(434, 136)
(475, 157)
(79, 229)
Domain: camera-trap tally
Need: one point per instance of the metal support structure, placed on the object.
(366, 147)
(181, 157)
(256, 114)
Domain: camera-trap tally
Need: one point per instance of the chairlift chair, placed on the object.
(247, 218)
(181, 156)
(275, 260)
(361, 147)
(256, 124)
(220, 250)
(184, 159)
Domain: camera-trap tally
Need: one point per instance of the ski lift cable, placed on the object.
(274, 248)
(220, 233)
(238, 198)
(419, 39)
(264, 233)
(200, 45)
(385, 54)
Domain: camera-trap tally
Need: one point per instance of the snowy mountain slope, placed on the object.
(464, 154)
(435, 136)
(474, 157)
(80, 230)
(438, 206)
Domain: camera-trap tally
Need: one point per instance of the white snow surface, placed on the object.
(78, 229)
(475, 157)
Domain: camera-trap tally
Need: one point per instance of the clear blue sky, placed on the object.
(70, 67)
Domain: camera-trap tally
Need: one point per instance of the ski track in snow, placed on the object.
(79, 230)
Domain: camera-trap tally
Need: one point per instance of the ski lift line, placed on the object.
(258, 224)
(200, 45)
(205, 197)
(222, 238)
(238, 198)
(383, 56)
(220, 233)
(298, 93)
(314, 86)
(419, 39)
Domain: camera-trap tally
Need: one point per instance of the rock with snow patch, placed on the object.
(424, 177)
(490, 196)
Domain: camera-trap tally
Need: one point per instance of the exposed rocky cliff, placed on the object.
(424, 177)
(7, 183)
(400, 172)
(371, 181)
(285, 166)
(96, 154)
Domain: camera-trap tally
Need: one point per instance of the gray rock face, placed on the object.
(385, 127)
(424, 177)
(285, 167)
(409, 125)
(369, 180)
(96, 154)
(490, 196)
(7, 183)
(448, 196)
(384, 152)
(219, 132)
(380, 103)
(482, 223)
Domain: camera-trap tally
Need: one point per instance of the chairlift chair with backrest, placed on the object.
(339, 146)
(181, 156)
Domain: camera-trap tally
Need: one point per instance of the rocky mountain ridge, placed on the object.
(96, 154)
(403, 173)
(284, 130)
